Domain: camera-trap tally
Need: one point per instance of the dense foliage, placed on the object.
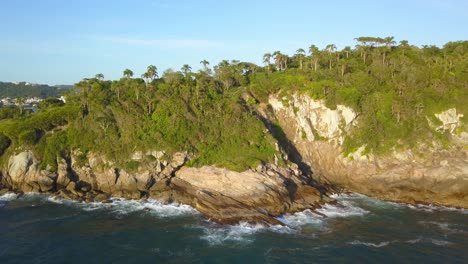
(22, 89)
(393, 88)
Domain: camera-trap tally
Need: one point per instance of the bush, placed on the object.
(29, 137)
(4, 143)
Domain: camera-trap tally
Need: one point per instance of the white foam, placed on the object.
(342, 209)
(154, 207)
(8, 196)
(434, 208)
(299, 219)
(242, 233)
(56, 200)
(370, 244)
(348, 196)
(429, 240)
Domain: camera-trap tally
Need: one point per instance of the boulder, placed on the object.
(101, 197)
(229, 197)
(4, 191)
(62, 173)
(23, 173)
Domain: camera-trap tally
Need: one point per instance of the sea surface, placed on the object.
(38, 229)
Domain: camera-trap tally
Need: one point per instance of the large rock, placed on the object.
(228, 197)
(23, 173)
(437, 176)
(63, 177)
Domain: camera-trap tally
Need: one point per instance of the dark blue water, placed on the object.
(35, 229)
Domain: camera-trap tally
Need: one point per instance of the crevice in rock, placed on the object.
(72, 175)
(286, 145)
(117, 174)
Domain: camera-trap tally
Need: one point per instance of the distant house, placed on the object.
(30, 107)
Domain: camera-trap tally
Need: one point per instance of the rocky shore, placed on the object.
(432, 173)
(316, 166)
(224, 196)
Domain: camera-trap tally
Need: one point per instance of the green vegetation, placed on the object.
(22, 90)
(393, 88)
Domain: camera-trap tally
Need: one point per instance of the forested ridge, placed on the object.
(393, 87)
(23, 89)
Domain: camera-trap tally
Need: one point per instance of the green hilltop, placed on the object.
(392, 87)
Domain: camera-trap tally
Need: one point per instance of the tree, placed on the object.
(267, 60)
(300, 53)
(281, 60)
(128, 74)
(150, 74)
(315, 55)
(205, 64)
(389, 42)
(99, 76)
(347, 50)
(20, 101)
(186, 69)
(330, 48)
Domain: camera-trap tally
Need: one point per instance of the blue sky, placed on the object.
(61, 42)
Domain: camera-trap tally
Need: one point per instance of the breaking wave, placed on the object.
(370, 244)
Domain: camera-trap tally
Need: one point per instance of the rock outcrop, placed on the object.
(228, 196)
(312, 140)
(23, 173)
(222, 195)
(438, 176)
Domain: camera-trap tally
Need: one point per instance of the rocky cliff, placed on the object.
(311, 146)
(431, 174)
(224, 196)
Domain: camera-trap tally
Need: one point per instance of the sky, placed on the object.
(62, 42)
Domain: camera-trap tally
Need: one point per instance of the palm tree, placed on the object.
(267, 60)
(127, 73)
(284, 59)
(186, 69)
(315, 54)
(330, 48)
(300, 53)
(150, 74)
(347, 50)
(279, 58)
(99, 76)
(205, 64)
(389, 42)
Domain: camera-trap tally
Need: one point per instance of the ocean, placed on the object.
(359, 229)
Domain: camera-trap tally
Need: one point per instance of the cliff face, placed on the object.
(313, 136)
(222, 195)
(438, 176)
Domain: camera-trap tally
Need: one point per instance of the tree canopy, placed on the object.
(393, 88)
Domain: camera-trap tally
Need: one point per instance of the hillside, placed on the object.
(27, 90)
(242, 116)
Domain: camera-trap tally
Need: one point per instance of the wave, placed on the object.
(341, 209)
(123, 207)
(436, 208)
(8, 196)
(242, 233)
(387, 204)
(119, 206)
(447, 228)
(299, 219)
(370, 244)
(429, 240)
